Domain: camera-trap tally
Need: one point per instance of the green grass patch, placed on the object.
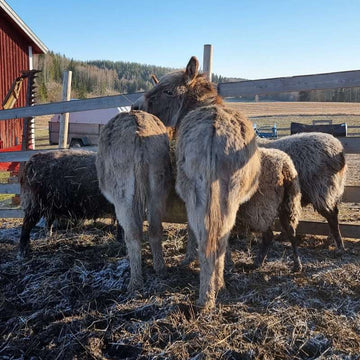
(5, 201)
(4, 176)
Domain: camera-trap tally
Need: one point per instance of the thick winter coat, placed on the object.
(218, 164)
(60, 184)
(320, 162)
(134, 171)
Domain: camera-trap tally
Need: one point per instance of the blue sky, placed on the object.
(252, 39)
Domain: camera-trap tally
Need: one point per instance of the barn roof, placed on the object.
(38, 46)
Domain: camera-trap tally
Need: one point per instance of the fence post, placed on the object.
(31, 121)
(64, 118)
(207, 61)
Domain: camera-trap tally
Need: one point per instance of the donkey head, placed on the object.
(177, 93)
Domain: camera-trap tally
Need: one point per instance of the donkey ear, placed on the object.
(154, 79)
(192, 68)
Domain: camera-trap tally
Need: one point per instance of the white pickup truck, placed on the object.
(84, 126)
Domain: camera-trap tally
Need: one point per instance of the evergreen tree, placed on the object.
(101, 77)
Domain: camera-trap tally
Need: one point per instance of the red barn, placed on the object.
(18, 44)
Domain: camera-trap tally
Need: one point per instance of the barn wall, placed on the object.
(13, 59)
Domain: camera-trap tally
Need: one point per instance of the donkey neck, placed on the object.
(200, 100)
(214, 99)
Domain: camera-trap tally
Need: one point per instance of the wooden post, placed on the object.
(207, 61)
(64, 118)
(31, 121)
(28, 136)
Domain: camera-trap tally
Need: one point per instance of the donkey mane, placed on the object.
(204, 91)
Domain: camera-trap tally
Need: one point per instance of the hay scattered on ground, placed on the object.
(69, 300)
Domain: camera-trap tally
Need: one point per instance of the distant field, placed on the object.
(283, 113)
(296, 108)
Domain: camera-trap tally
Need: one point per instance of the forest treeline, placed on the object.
(104, 77)
(94, 78)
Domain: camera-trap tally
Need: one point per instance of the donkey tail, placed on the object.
(214, 216)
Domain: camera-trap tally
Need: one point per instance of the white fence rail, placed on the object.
(104, 102)
(344, 79)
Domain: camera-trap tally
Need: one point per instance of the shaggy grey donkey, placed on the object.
(218, 164)
(319, 159)
(278, 195)
(134, 171)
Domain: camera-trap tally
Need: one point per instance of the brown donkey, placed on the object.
(217, 164)
(134, 171)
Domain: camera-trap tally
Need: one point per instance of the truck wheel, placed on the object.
(76, 143)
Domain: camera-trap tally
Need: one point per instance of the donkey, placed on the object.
(217, 159)
(278, 195)
(134, 171)
(60, 185)
(319, 159)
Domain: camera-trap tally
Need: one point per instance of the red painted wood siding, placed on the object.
(13, 59)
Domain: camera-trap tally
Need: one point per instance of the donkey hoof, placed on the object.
(122, 250)
(339, 252)
(255, 265)
(134, 287)
(23, 253)
(205, 306)
(160, 268)
(258, 262)
(297, 268)
(186, 262)
(163, 273)
(223, 293)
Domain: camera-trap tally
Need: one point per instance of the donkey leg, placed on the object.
(120, 237)
(229, 264)
(267, 238)
(333, 221)
(155, 237)
(207, 291)
(133, 235)
(289, 229)
(221, 254)
(297, 262)
(191, 248)
(49, 225)
(30, 220)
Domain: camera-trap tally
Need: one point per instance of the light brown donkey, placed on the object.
(134, 171)
(217, 164)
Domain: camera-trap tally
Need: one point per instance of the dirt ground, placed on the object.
(68, 300)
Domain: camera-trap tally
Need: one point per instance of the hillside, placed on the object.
(104, 77)
(95, 78)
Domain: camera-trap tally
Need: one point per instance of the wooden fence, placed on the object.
(256, 87)
(328, 81)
